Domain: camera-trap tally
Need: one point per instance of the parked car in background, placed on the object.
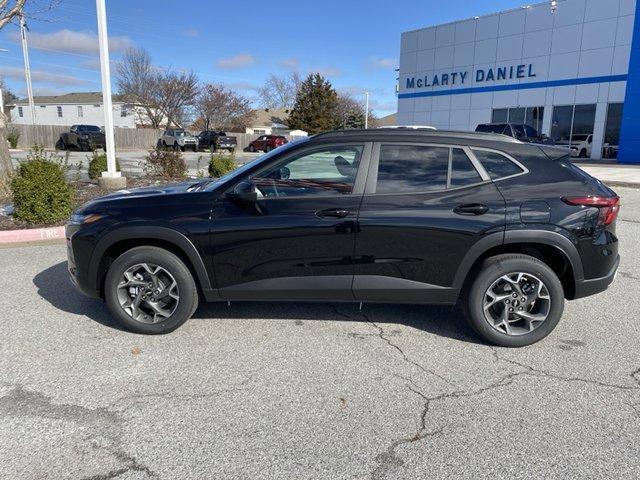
(216, 141)
(581, 145)
(508, 230)
(522, 132)
(82, 137)
(178, 139)
(266, 143)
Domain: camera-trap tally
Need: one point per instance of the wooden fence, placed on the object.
(126, 138)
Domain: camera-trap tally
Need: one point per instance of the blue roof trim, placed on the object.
(518, 86)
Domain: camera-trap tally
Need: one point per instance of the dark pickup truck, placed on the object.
(82, 137)
(216, 141)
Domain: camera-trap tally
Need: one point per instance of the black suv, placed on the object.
(507, 229)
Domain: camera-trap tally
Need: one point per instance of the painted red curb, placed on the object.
(31, 235)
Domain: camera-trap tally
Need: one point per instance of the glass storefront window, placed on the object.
(561, 124)
(531, 116)
(534, 118)
(516, 115)
(612, 130)
(500, 115)
(583, 119)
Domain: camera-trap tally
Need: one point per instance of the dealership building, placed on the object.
(570, 69)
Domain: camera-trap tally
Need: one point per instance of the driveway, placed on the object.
(302, 391)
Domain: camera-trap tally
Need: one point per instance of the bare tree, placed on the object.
(350, 113)
(219, 108)
(177, 92)
(163, 94)
(280, 91)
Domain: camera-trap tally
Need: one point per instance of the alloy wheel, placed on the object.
(516, 303)
(148, 293)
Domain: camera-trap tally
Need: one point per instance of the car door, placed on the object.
(297, 240)
(424, 207)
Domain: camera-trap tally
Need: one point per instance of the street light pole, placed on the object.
(366, 110)
(27, 67)
(111, 178)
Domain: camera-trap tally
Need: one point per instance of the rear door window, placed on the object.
(496, 164)
(412, 168)
(463, 172)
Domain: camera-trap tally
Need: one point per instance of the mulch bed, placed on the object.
(85, 191)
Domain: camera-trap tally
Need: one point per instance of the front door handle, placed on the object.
(332, 213)
(471, 209)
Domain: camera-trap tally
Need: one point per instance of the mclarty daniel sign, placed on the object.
(480, 75)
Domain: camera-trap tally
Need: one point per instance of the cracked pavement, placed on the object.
(301, 391)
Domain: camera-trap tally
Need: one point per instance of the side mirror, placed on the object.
(244, 192)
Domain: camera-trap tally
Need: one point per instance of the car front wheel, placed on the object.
(515, 300)
(150, 290)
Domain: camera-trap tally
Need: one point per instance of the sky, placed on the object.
(355, 44)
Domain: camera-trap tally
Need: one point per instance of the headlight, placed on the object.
(79, 219)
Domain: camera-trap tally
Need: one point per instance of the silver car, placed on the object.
(178, 138)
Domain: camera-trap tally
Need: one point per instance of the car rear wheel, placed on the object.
(252, 148)
(515, 300)
(150, 290)
(267, 149)
(583, 153)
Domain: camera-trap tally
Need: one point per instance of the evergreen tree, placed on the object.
(316, 106)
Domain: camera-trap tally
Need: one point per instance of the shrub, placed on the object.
(220, 165)
(13, 135)
(41, 193)
(165, 163)
(98, 164)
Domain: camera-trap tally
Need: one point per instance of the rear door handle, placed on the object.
(471, 209)
(332, 213)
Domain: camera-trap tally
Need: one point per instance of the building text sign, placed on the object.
(480, 75)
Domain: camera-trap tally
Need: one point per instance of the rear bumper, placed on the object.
(585, 288)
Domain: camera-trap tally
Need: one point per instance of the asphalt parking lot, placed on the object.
(264, 391)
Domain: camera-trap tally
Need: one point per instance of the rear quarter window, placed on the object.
(496, 164)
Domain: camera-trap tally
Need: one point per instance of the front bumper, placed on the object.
(78, 277)
(585, 288)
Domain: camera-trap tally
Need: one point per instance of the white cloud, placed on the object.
(237, 61)
(292, 63)
(386, 63)
(191, 32)
(39, 76)
(71, 41)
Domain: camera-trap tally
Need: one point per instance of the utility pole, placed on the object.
(27, 68)
(111, 178)
(366, 110)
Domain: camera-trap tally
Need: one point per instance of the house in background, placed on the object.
(272, 121)
(388, 120)
(77, 108)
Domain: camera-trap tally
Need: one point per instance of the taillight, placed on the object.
(608, 206)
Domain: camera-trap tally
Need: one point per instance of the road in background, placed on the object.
(308, 391)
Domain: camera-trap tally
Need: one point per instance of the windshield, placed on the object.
(91, 128)
(248, 166)
(182, 133)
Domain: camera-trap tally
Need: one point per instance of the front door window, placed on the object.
(325, 171)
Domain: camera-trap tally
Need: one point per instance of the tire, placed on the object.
(583, 153)
(187, 291)
(267, 149)
(232, 150)
(252, 148)
(489, 274)
(60, 145)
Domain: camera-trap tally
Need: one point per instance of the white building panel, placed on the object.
(522, 58)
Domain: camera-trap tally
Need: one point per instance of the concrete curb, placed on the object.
(31, 235)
